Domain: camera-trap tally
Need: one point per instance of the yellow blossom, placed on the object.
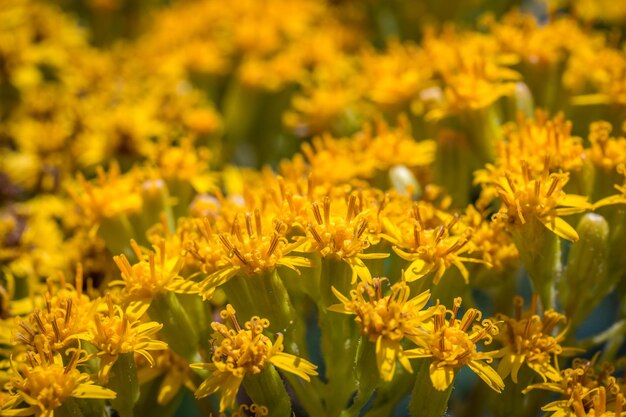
(46, 384)
(250, 252)
(116, 332)
(342, 237)
(152, 276)
(243, 351)
(528, 339)
(65, 318)
(583, 392)
(386, 320)
(526, 197)
(430, 249)
(113, 194)
(606, 152)
(451, 344)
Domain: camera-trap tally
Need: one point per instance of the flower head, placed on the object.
(343, 237)
(118, 331)
(250, 251)
(245, 351)
(45, 384)
(452, 343)
(584, 392)
(386, 320)
(528, 339)
(65, 318)
(430, 249)
(526, 197)
(152, 276)
(113, 194)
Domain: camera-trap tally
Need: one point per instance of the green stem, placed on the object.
(339, 338)
(426, 401)
(511, 402)
(178, 330)
(266, 388)
(368, 377)
(540, 252)
(123, 381)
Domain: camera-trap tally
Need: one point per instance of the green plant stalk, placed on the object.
(339, 338)
(426, 401)
(367, 377)
(123, 380)
(266, 388)
(117, 233)
(511, 402)
(69, 408)
(178, 329)
(540, 252)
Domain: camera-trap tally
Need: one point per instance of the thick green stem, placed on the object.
(426, 401)
(123, 380)
(368, 377)
(178, 329)
(339, 338)
(540, 251)
(266, 388)
(511, 402)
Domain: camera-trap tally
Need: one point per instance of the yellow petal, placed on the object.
(93, 391)
(294, 364)
(360, 270)
(487, 374)
(170, 386)
(386, 354)
(560, 227)
(441, 376)
(547, 371)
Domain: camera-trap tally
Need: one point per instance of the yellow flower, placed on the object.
(375, 149)
(187, 164)
(491, 240)
(117, 331)
(396, 76)
(65, 318)
(242, 351)
(113, 194)
(342, 237)
(46, 384)
(149, 277)
(529, 140)
(584, 393)
(451, 344)
(474, 85)
(251, 253)
(526, 197)
(429, 249)
(606, 152)
(528, 339)
(386, 320)
(330, 99)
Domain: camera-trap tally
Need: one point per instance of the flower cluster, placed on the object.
(339, 173)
